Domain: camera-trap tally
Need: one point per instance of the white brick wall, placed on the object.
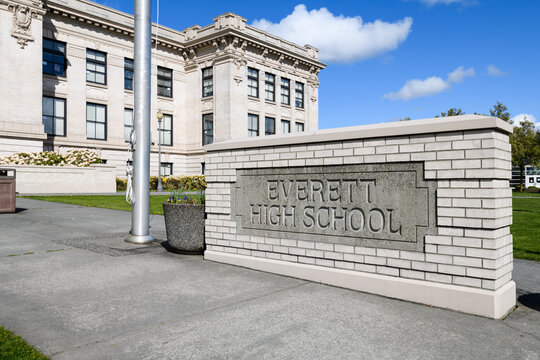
(473, 245)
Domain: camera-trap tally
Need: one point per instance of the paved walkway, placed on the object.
(75, 290)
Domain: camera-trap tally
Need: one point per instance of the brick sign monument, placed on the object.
(417, 210)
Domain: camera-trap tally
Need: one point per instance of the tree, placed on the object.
(525, 147)
(501, 111)
(405, 119)
(451, 112)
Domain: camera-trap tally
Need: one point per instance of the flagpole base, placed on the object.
(139, 239)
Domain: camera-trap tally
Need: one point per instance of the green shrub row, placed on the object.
(531, 189)
(190, 183)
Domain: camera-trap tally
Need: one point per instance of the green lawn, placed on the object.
(526, 228)
(117, 202)
(13, 347)
(525, 194)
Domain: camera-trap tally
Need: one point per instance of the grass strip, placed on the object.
(13, 347)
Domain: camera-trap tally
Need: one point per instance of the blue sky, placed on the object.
(404, 58)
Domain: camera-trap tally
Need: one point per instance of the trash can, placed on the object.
(7, 190)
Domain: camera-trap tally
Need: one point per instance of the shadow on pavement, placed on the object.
(530, 300)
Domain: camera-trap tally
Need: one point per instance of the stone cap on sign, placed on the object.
(398, 128)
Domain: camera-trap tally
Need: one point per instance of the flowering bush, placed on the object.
(195, 182)
(79, 158)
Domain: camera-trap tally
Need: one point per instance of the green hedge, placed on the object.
(195, 182)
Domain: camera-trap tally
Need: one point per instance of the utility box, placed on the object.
(7, 190)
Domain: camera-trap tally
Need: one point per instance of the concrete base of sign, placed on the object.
(493, 304)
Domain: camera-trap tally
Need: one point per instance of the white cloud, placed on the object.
(417, 88)
(520, 117)
(460, 74)
(339, 38)
(495, 71)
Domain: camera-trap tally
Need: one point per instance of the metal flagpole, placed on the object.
(140, 229)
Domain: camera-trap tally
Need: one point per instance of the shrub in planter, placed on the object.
(532, 189)
(184, 222)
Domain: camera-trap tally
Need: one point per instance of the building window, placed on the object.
(208, 129)
(299, 98)
(253, 125)
(96, 121)
(207, 82)
(54, 57)
(253, 82)
(285, 126)
(54, 116)
(269, 126)
(128, 123)
(285, 91)
(164, 82)
(299, 127)
(128, 74)
(165, 135)
(531, 180)
(269, 87)
(96, 66)
(166, 169)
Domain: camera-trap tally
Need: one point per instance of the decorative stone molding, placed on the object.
(230, 20)
(191, 32)
(23, 12)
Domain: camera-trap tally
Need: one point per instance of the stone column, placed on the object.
(21, 32)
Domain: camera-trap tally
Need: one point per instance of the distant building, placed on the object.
(66, 78)
(531, 176)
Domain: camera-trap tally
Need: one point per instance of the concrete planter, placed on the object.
(185, 227)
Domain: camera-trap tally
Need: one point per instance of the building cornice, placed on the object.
(108, 19)
(229, 32)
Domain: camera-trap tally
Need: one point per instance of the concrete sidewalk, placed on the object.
(71, 287)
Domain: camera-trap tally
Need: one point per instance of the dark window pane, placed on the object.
(54, 58)
(208, 129)
(270, 126)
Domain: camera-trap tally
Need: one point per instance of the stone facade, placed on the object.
(228, 46)
(470, 252)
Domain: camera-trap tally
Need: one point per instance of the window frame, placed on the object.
(54, 116)
(54, 53)
(297, 92)
(296, 126)
(253, 78)
(96, 62)
(288, 88)
(208, 77)
(251, 130)
(131, 126)
(127, 70)
(204, 130)
(163, 130)
(269, 120)
(165, 165)
(269, 86)
(96, 122)
(164, 78)
(288, 122)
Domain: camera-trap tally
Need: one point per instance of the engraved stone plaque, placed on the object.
(377, 205)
